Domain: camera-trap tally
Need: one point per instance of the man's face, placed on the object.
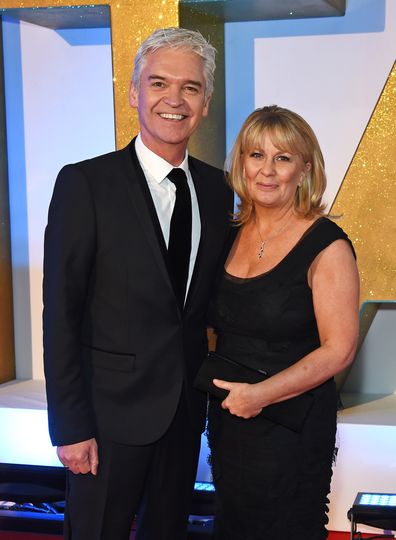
(170, 101)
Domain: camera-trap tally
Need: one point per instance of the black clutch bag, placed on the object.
(290, 413)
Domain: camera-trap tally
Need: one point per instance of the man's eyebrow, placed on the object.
(150, 77)
(195, 83)
(161, 78)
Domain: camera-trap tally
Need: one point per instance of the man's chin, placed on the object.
(175, 139)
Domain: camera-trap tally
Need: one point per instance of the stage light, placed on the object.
(204, 487)
(203, 499)
(374, 509)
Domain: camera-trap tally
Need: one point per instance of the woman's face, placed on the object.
(272, 176)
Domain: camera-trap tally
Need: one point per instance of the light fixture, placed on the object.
(374, 509)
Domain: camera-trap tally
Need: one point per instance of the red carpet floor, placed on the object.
(5, 535)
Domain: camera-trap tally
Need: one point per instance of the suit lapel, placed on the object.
(144, 208)
(210, 224)
(203, 213)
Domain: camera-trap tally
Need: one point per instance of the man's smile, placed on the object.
(169, 116)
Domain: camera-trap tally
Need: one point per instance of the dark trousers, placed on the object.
(154, 481)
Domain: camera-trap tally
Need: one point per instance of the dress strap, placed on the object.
(317, 238)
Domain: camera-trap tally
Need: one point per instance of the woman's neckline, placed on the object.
(251, 278)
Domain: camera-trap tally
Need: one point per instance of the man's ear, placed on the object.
(133, 96)
(206, 107)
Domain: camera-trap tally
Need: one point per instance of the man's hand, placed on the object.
(80, 457)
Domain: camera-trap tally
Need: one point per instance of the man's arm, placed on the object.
(69, 251)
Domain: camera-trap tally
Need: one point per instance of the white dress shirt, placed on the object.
(163, 193)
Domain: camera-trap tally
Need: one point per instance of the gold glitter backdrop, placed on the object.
(131, 23)
(367, 200)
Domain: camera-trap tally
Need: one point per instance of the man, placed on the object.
(131, 248)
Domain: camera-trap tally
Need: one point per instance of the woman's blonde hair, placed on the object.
(290, 133)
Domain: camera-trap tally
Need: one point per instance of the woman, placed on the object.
(287, 304)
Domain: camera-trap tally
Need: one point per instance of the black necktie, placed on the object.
(179, 247)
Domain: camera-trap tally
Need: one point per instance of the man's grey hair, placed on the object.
(177, 38)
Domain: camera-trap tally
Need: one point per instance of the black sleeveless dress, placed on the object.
(272, 482)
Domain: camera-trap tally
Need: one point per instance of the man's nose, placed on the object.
(174, 97)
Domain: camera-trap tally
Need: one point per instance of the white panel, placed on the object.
(25, 438)
(65, 109)
(366, 462)
(374, 369)
(333, 81)
(24, 425)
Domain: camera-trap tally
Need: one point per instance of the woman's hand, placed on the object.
(242, 400)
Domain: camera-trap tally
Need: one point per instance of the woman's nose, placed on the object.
(267, 167)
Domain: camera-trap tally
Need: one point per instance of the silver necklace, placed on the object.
(263, 243)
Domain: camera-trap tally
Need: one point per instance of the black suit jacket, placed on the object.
(117, 348)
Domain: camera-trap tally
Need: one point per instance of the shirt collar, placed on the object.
(156, 166)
